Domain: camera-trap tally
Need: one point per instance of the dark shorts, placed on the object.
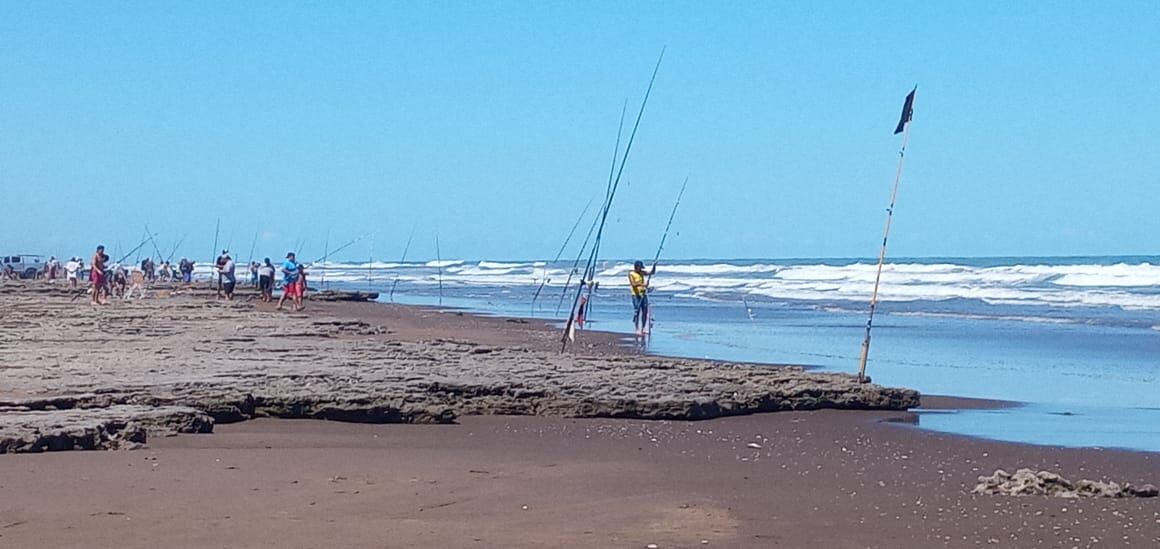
(265, 283)
(228, 286)
(187, 276)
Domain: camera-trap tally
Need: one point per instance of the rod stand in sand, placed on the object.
(904, 127)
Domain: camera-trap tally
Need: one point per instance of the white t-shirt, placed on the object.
(71, 268)
(266, 270)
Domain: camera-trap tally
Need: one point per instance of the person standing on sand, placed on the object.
(226, 275)
(217, 265)
(291, 272)
(254, 274)
(186, 270)
(97, 276)
(70, 270)
(266, 281)
(639, 289)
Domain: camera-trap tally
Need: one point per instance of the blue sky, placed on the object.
(492, 123)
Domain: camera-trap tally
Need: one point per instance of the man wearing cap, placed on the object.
(290, 287)
(227, 276)
(639, 287)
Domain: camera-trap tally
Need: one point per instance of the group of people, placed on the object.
(262, 277)
(115, 279)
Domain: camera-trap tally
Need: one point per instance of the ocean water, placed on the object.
(1076, 339)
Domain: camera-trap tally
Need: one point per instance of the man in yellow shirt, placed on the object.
(638, 284)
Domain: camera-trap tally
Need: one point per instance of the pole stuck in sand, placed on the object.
(216, 232)
(407, 247)
(439, 265)
(904, 128)
(660, 248)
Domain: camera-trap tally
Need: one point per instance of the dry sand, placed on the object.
(822, 478)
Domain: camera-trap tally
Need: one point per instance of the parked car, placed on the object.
(25, 265)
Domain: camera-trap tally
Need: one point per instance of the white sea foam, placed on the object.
(1122, 285)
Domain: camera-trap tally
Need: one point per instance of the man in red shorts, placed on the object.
(97, 275)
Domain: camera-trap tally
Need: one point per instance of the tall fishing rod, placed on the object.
(339, 249)
(646, 326)
(439, 264)
(152, 239)
(134, 250)
(595, 220)
(370, 260)
(904, 129)
(575, 264)
(169, 258)
(253, 246)
(664, 236)
(391, 297)
(137, 260)
(560, 253)
(216, 232)
(569, 331)
(325, 258)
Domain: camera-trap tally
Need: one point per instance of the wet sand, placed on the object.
(819, 479)
(824, 478)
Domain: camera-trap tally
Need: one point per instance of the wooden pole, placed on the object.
(882, 253)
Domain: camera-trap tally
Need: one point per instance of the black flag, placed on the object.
(907, 112)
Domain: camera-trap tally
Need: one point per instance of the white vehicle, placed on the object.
(25, 265)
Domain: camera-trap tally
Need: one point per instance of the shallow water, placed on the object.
(1075, 336)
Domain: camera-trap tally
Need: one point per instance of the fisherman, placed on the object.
(97, 276)
(70, 270)
(291, 272)
(266, 280)
(186, 270)
(254, 274)
(638, 285)
(221, 262)
(226, 275)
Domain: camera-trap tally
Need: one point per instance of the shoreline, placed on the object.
(614, 343)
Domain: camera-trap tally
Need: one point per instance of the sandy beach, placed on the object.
(477, 446)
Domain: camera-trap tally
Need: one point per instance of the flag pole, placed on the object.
(907, 112)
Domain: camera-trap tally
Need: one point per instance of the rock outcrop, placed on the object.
(1026, 482)
(175, 362)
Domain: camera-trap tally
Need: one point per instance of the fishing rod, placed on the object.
(216, 232)
(156, 248)
(544, 282)
(134, 250)
(575, 264)
(325, 258)
(370, 261)
(664, 236)
(391, 297)
(595, 220)
(569, 331)
(646, 327)
(339, 249)
(253, 245)
(439, 264)
(169, 258)
(137, 260)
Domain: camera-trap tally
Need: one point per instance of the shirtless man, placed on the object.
(97, 276)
